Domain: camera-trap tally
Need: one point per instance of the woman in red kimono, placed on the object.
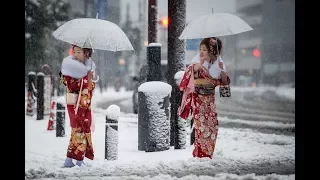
(198, 88)
(77, 76)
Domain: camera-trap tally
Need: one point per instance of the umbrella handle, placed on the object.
(96, 80)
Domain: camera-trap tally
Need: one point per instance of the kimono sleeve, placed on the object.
(186, 78)
(72, 83)
(85, 98)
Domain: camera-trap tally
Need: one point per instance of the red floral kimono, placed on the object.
(199, 97)
(80, 145)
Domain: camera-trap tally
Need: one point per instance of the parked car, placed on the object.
(142, 78)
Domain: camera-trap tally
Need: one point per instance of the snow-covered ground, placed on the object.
(240, 153)
(110, 95)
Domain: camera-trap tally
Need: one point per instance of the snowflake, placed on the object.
(27, 35)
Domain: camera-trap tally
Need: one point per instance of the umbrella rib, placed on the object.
(229, 29)
(88, 37)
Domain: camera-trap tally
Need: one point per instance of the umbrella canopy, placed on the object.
(93, 33)
(214, 25)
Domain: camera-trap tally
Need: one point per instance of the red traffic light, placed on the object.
(256, 52)
(164, 22)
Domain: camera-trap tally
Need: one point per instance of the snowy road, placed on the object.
(245, 109)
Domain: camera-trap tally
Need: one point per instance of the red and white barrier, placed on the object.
(52, 118)
(30, 104)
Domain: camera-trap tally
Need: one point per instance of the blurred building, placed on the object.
(266, 54)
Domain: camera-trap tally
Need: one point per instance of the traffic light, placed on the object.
(164, 22)
(256, 52)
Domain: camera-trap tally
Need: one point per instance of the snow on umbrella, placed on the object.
(214, 25)
(93, 33)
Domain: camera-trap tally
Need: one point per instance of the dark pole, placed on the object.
(40, 95)
(179, 123)
(152, 21)
(142, 121)
(60, 122)
(193, 133)
(154, 62)
(31, 92)
(176, 56)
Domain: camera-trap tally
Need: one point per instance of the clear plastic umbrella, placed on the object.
(93, 33)
(214, 25)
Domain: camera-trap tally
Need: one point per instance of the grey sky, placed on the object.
(195, 8)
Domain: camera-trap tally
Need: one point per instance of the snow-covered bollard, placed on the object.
(154, 116)
(180, 133)
(40, 95)
(60, 118)
(111, 136)
(31, 92)
(154, 62)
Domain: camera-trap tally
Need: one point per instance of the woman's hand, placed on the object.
(196, 67)
(221, 65)
(223, 74)
(90, 75)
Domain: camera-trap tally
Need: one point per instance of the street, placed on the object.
(243, 110)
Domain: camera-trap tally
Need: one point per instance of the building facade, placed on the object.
(266, 54)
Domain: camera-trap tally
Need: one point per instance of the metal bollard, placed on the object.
(111, 135)
(40, 96)
(142, 121)
(60, 122)
(31, 92)
(154, 62)
(154, 116)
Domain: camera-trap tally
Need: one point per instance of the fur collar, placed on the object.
(76, 69)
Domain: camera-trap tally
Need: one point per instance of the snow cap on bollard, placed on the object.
(40, 74)
(111, 134)
(31, 73)
(61, 100)
(113, 112)
(154, 45)
(155, 87)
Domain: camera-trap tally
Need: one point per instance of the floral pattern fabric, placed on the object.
(80, 144)
(204, 113)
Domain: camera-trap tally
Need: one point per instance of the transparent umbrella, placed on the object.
(214, 25)
(93, 33)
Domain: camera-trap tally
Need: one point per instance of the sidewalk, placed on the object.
(239, 153)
